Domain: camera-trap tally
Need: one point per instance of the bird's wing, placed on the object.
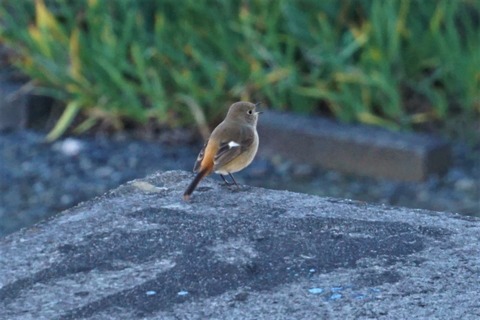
(234, 144)
(196, 167)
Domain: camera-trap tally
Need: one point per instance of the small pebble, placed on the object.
(69, 147)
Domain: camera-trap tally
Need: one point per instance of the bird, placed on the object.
(231, 146)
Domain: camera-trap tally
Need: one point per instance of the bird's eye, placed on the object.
(249, 111)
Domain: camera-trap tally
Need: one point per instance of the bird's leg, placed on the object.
(233, 179)
(229, 183)
(225, 180)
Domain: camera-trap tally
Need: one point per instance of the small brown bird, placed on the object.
(231, 146)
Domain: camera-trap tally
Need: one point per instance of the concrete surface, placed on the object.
(140, 251)
(362, 150)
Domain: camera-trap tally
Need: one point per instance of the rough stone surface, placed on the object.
(362, 150)
(140, 251)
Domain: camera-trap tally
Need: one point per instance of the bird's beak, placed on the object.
(256, 106)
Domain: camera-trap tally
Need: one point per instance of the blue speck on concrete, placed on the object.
(182, 293)
(335, 296)
(315, 290)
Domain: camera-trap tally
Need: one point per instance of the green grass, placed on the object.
(388, 63)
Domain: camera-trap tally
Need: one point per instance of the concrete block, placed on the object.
(361, 150)
(140, 251)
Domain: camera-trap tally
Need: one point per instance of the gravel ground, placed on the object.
(38, 180)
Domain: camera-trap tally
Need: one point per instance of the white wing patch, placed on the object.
(233, 144)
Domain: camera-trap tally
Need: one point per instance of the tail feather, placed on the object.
(194, 183)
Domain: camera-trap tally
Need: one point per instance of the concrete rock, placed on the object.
(362, 150)
(140, 251)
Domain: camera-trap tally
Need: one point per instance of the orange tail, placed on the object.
(194, 183)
